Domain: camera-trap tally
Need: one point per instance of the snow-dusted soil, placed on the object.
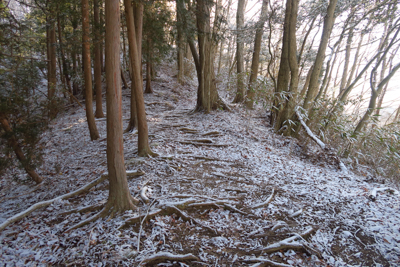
(204, 188)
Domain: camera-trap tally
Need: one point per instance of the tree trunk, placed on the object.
(148, 89)
(180, 45)
(63, 59)
(97, 61)
(52, 66)
(17, 149)
(143, 138)
(94, 134)
(326, 33)
(207, 94)
(256, 54)
(288, 70)
(119, 197)
(240, 92)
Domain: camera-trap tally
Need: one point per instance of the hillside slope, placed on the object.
(225, 191)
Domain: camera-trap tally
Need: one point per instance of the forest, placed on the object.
(199, 133)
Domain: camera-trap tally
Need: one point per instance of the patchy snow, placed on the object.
(240, 187)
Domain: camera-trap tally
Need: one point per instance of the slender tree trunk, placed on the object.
(240, 92)
(372, 102)
(52, 66)
(148, 89)
(119, 197)
(143, 138)
(17, 149)
(256, 54)
(181, 45)
(64, 61)
(97, 60)
(125, 83)
(94, 134)
(326, 33)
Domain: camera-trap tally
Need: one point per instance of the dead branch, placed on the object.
(319, 142)
(206, 141)
(188, 130)
(46, 203)
(202, 144)
(161, 256)
(373, 193)
(141, 225)
(143, 194)
(295, 214)
(308, 131)
(265, 203)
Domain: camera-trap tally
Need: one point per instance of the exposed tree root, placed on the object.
(265, 203)
(188, 130)
(46, 203)
(143, 192)
(104, 212)
(162, 256)
(83, 210)
(214, 133)
(205, 141)
(265, 262)
(291, 243)
(372, 194)
(202, 144)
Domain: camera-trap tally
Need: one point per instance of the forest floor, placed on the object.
(225, 191)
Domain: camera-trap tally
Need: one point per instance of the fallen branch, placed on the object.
(297, 213)
(319, 142)
(309, 132)
(372, 195)
(46, 203)
(214, 133)
(271, 197)
(161, 256)
(143, 194)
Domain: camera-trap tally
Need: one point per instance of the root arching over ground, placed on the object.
(225, 191)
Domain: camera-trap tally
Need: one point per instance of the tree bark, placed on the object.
(87, 69)
(143, 138)
(148, 89)
(17, 149)
(240, 91)
(326, 33)
(64, 60)
(52, 66)
(181, 44)
(119, 197)
(288, 70)
(97, 60)
(256, 54)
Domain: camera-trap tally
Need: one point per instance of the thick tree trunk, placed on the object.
(256, 54)
(52, 67)
(87, 69)
(288, 71)
(143, 138)
(240, 91)
(207, 94)
(97, 61)
(119, 197)
(17, 149)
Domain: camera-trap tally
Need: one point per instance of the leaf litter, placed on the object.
(225, 191)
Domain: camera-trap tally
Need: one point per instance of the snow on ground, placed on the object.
(204, 188)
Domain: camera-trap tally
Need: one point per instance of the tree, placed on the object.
(119, 198)
(137, 83)
(207, 94)
(288, 71)
(256, 54)
(240, 91)
(52, 61)
(97, 59)
(87, 69)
